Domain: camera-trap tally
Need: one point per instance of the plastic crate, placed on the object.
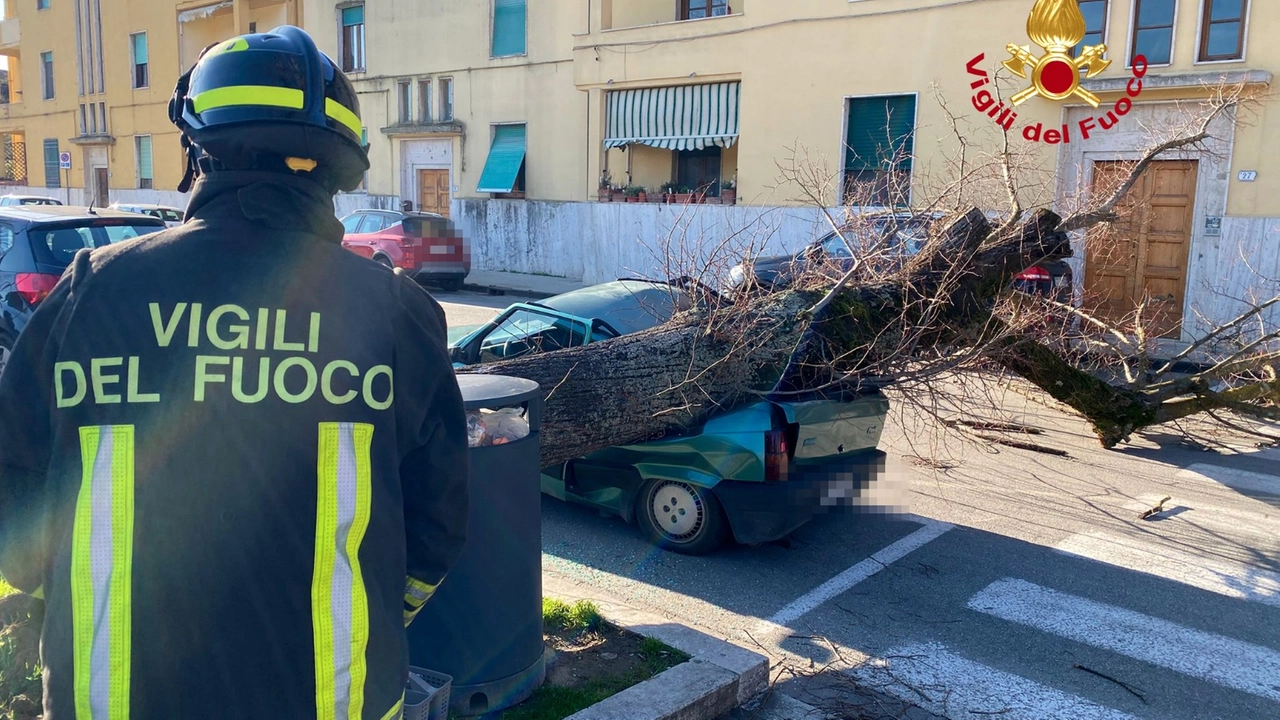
(426, 695)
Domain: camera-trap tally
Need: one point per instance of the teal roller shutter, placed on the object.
(144, 157)
(881, 129)
(52, 175)
(506, 155)
(353, 15)
(509, 20)
(140, 49)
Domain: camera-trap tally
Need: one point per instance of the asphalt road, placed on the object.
(1022, 585)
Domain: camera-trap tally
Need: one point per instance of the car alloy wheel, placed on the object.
(681, 517)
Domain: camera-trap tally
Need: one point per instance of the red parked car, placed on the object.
(428, 246)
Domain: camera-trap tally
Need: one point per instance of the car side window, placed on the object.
(171, 216)
(350, 223)
(370, 224)
(835, 247)
(525, 332)
(6, 239)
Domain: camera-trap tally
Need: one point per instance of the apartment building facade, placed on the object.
(86, 115)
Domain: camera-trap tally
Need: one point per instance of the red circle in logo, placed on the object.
(1058, 76)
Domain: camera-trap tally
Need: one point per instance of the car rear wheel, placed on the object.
(680, 517)
(451, 285)
(384, 261)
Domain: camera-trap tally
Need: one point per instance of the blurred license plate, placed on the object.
(441, 250)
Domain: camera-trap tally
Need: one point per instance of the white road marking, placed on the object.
(946, 684)
(1232, 478)
(856, 574)
(1196, 515)
(1224, 577)
(1233, 663)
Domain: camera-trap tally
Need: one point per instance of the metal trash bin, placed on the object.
(483, 626)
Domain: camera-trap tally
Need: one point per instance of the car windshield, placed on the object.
(63, 243)
(525, 331)
(906, 235)
(171, 216)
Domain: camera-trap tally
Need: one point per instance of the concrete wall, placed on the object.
(598, 242)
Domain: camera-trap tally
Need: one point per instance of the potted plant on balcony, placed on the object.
(618, 194)
(682, 195)
(728, 193)
(643, 194)
(605, 192)
(668, 191)
(633, 193)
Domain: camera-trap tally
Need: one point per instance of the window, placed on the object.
(1153, 31)
(527, 331)
(352, 39)
(510, 18)
(52, 173)
(446, 99)
(699, 170)
(102, 112)
(253, 27)
(1222, 30)
(139, 43)
(84, 120)
(1095, 23)
(46, 75)
(142, 151)
(42, 4)
(695, 9)
(424, 102)
(405, 93)
(6, 238)
(350, 223)
(878, 148)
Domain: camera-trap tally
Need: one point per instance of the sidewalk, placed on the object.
(535, 286)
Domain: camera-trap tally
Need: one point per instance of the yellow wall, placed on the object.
(632, 13)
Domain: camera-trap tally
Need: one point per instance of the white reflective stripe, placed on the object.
(341, 588)
(100, 550)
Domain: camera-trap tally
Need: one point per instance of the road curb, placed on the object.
(496, 290)
(718, 677)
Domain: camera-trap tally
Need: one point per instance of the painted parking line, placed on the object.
(1232, 478)
(947, 684)
(1222, 660)
(1216, 575)
(802, 605)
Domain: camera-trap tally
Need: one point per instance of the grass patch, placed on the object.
(6, 588)
(20, 690)
(559, 616)
(580, 635)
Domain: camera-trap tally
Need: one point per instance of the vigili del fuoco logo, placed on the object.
(1057, 26)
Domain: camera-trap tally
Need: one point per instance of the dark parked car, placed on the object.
(753, 474)
(426, 245)
(898, 235)
(37, 242)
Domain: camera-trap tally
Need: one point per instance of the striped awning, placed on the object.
(688, 117)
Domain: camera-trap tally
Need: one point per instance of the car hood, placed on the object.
(773, 263)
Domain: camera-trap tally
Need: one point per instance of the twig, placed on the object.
(1159, 508)
(1121, 683)
(1023, 445)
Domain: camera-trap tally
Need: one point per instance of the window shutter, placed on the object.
(140, 49)
(144, 157)
(880, 130)
(509, 19)
(52, 177)
(353, 15)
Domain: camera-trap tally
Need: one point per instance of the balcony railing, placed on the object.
(10, 34)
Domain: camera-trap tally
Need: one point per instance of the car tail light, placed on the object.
(775, 455)
(1034, 273)
(34, 287)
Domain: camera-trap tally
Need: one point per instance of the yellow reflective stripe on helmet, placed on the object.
(238, 95)
(342, 114)
(232, 45)
(339, 603)
(394, 712)
(102, 573)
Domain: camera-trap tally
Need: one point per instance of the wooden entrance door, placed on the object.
(1143, 254)
(100, 187)
(433, 191)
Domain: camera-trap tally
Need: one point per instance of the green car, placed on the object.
(754, 474)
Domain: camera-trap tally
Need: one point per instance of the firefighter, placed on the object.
(234, 452)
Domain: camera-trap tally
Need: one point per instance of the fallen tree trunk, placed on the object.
(641, 386)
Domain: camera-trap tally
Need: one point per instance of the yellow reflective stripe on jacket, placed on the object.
(339, 604)
(394, 712)
(102, 573)
(237, 95)
(416, 592)
(343, 114)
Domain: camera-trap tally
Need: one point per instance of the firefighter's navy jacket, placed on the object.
(233, 458)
